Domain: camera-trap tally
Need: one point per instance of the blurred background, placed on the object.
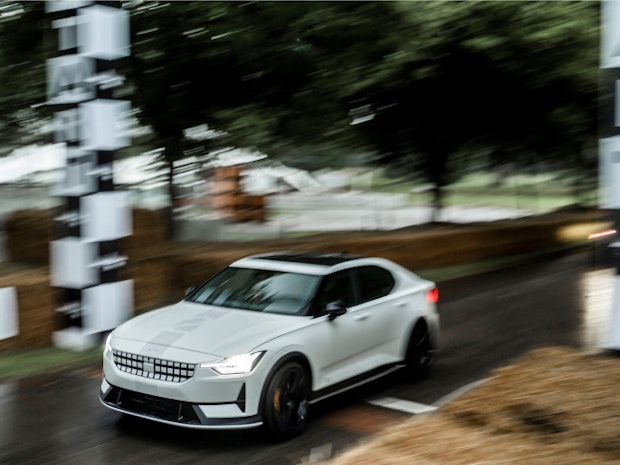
(246, 111)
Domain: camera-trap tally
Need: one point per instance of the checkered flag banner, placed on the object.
(85, 259)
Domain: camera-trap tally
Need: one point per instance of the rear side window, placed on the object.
(375, 282)
(337, 287)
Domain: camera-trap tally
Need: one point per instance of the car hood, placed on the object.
(208, 329)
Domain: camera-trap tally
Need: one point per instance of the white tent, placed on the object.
(33, 163)
(45, 163)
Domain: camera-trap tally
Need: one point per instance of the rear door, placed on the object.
(358, 341)
(383, 311)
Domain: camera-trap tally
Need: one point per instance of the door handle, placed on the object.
(401, 304)
(362, 316)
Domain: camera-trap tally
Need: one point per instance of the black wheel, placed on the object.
(419, 356)
(285, 402)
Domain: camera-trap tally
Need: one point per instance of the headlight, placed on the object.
(107, 348)
(235, 365)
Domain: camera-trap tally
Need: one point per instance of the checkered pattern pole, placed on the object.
(85, 261)
(609, 145)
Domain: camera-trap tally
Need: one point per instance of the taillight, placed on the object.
(432, 296)
(608, 232)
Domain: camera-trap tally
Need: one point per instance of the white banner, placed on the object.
(9, 318)
(105, 216)
(103, 32)
(106, 306)
(610, 34)
(70, 262)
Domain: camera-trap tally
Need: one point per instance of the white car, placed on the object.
(268, 336)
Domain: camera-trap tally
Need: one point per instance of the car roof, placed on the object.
(310, 262)
(309, 258)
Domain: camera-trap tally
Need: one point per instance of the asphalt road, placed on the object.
(488, 321)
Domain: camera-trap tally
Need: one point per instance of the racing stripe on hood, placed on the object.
(166, 339)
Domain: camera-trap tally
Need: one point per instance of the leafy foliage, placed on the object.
(516, 77)
(416, 83)
(23, 27)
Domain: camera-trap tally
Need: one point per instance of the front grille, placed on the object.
(153, 368)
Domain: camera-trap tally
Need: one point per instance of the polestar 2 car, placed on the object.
(268, 336)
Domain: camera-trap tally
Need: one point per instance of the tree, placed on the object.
(413, 81)
(232, 66)
(511, 75)
(23, 26)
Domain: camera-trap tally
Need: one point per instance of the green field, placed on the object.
(537, 193)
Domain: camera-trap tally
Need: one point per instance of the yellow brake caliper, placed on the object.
(276, 400)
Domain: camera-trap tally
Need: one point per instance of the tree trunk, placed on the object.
(438, 165)
(578, 184)
(172, 151)
(170, 230)
(437, 203)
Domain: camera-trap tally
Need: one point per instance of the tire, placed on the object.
(285, 401)
(419, 354)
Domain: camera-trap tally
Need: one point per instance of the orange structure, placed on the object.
(229, 199)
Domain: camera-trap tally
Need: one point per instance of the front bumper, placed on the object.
(175, 412)
(202, 399)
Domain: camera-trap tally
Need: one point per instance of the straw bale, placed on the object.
(148, 235)
(37, 303)
(151, 282)
(28, 233)
(556, 405)
(162, 270)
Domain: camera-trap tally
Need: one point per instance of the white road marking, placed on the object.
(317, 455)
(407, 406)
(416, 408)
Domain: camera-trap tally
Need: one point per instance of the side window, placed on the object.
(375, 282)
(335, 287)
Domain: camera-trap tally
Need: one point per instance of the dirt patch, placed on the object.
(555, 405)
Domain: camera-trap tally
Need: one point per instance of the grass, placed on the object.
(537, 193)
(21, 363)
(533, 201)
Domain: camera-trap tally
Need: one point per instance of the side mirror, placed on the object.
(190, 290)
(335, 309)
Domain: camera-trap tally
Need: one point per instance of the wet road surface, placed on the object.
(487, 322)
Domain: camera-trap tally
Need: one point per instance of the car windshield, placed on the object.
(258, 290)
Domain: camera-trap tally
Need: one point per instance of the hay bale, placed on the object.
(28, 233)
(37, 303)
(151, 282)
(148, 236)
(162, 271)
(552, 395)
(556, 405)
